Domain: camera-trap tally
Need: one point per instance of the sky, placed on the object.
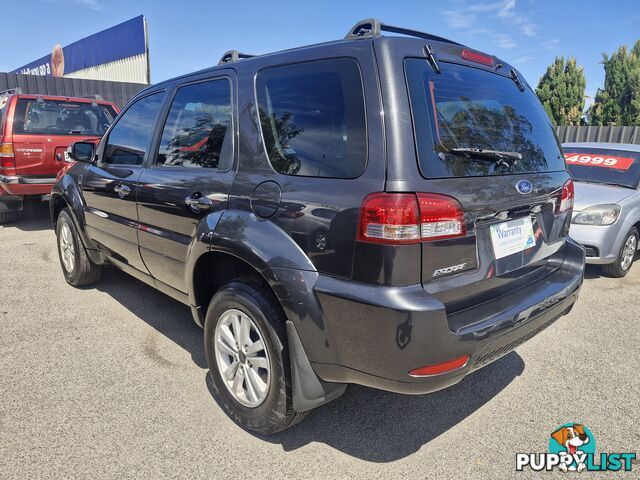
(188, 35)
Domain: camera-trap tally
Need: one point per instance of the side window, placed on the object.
(198, 130)
(130, 138)
(313, 118)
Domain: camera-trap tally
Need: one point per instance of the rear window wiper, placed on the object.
(508, 159)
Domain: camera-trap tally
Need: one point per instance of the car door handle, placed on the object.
(198, 203)
(122, 190)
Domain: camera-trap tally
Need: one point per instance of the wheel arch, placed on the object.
(243, 246)
(65, 195)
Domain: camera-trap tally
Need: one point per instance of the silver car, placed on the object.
(606, 212)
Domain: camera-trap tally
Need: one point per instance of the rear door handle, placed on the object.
(122, 190)
(198, 203)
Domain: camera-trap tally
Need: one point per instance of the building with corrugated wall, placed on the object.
(117, 54)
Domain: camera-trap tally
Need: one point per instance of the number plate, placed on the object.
(512, 237)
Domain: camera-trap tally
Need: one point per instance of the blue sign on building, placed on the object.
(125, 40)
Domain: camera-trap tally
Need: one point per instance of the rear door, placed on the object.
(110, 184)
(188, 177)
(511, 203)
(43, 129)
(323, 137)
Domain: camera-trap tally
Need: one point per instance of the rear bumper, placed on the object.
(25, 185)
(378, 334)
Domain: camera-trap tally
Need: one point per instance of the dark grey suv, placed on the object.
(389, 211)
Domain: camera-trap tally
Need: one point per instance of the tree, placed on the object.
(561, 91)
(618, 103)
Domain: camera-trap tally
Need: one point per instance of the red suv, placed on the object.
(35, 131)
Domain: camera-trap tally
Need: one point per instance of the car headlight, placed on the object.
(598, 215)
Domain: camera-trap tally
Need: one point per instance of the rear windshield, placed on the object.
(53, 117)
(469, 108)
(601, 165)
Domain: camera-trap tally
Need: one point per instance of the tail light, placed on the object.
(7, 159)
(566, 197)
(389, 218)
(440, 217)
(405, 218)
(292, 214)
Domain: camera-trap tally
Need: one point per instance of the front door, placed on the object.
(188, 178)
(110, 184)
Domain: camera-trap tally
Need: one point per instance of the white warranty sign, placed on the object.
(512, 237)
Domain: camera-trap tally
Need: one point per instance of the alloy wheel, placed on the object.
(629, 252)
(67, 248)
(242, 358)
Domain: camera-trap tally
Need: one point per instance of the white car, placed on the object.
(606, 212)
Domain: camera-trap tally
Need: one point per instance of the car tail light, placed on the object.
(7, 159)
(292, 214)
(440, 368)
(477, 57)
(404, 218)
(566, 197)
(440, 216)
(389, 218)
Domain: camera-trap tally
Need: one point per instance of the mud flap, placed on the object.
(308, 390)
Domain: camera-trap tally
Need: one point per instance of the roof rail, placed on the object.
(372, 27)
(11, 91)
(233, 56)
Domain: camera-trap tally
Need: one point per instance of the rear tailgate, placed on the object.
(43, 129)
(512, 186)
(482, 269)
(42, 156)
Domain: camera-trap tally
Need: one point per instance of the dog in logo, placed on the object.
(572, 438)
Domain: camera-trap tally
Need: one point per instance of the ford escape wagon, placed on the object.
(390, 211)
(35, 131)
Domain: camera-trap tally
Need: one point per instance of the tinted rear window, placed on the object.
(602, 165)
(313, 118)
(53, 117)
(466, 107)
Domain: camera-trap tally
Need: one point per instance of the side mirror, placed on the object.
(81, 151)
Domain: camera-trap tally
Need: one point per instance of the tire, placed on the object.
(78, 269)
(274, 411)
(624, 261)
(9, 217)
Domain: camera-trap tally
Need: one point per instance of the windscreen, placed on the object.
(465, 108)
(600, 165)
(54, 117)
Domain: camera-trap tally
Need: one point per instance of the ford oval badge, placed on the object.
(524, 187)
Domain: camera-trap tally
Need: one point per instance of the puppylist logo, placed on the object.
(572, 448)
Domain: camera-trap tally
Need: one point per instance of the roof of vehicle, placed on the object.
(367, 29)
(89, 99)
(629, 147)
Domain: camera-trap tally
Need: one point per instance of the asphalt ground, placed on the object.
(111, 382)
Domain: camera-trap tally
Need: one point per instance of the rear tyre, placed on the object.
(77, 267)
(625, 258)
(9, 217)
(246, 346)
